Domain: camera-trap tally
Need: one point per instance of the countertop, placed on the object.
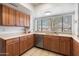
(9, 36)
(66, 35)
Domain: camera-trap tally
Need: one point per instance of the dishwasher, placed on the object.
(39, 41)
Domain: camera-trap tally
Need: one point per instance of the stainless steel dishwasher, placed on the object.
(39, 40)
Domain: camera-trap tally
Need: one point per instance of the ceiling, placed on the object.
(36, 4)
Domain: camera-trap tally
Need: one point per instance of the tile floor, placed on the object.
(39, 52)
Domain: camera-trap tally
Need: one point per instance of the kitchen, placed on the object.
(52, 28)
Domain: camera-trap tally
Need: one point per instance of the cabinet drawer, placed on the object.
(8, 41)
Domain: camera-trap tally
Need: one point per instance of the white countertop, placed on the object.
(66, 35)
(9, 36)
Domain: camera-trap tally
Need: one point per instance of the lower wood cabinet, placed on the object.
(22, 44)
(59, 44)
(55, 43)
(30, 41)
(16, 46)
(47, 42)
(26, 42)
(12, 47)
(66, 45)
(51, 43)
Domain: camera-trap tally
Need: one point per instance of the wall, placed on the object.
(54, 8)
(76, 26)
(10, 29)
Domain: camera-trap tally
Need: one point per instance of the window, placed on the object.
(57, 24)
(46, 24)
(67, 23)
(39, 24)
(61, 23)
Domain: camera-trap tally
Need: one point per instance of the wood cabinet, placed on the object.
(17, 17)
(51, 43)
(26, 42)
(66, 45)
(11, 17)
(8, 16)
(12, 47)
(23, 44)
(5, 16)
(75, 48)
(55, 43)
(30, 41)
(59, 44)
(28, 20)
(47, 42)
(21, 19)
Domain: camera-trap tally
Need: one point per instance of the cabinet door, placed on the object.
(17, 17)
(5, 15)
(65, 45)
(9, 49)
(28, 20)
(51, 43)
(26, 42)
(12, 47)
(25, 20)
(54, 43)
(16, 47)
(1, 14)
(11, 18)
(22, 45)
(21, 19)
(47, 42)
(30, 41)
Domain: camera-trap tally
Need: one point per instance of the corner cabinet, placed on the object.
(11, 17)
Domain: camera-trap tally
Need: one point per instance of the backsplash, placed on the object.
(10, 29)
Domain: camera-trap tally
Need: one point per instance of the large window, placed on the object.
(46, 24)
(57, 24)
(67, 23)
(61, 23)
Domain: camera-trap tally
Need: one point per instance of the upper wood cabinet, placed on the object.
(8, 16)
(17, 17)
(27, 20)
(5, 16)
(11, 17)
